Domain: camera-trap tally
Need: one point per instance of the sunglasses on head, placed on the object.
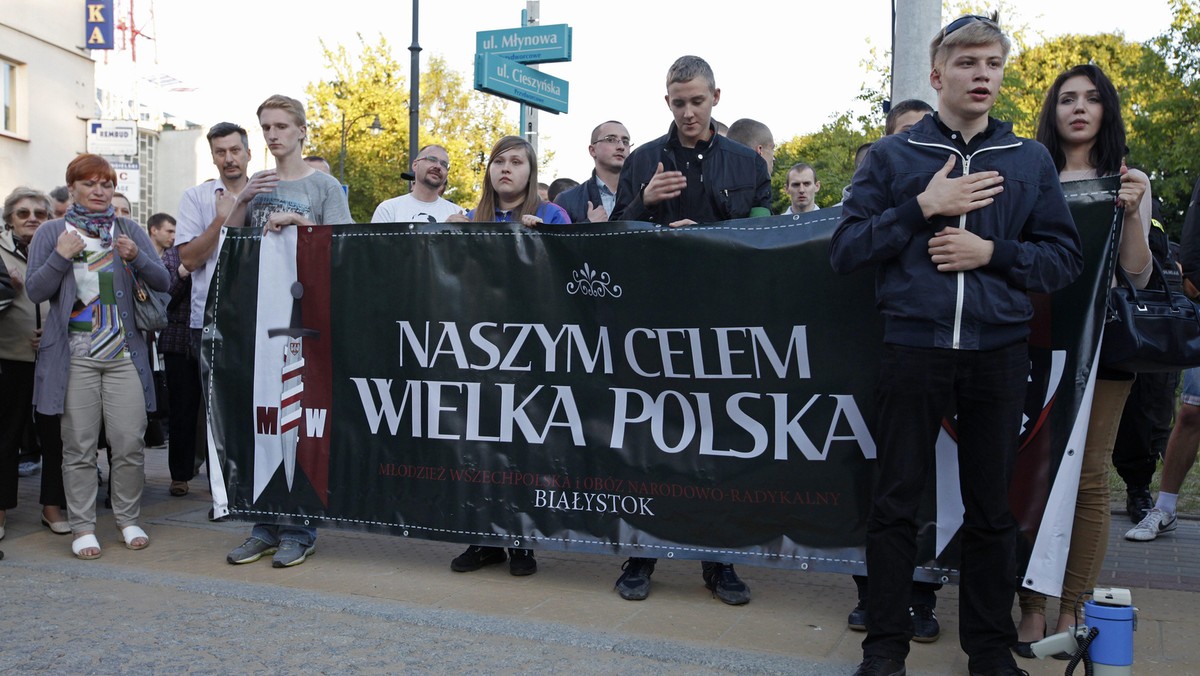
(963, 21)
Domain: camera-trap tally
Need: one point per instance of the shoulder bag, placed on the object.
(1150, 330)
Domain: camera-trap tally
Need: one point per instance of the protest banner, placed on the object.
(701, 393)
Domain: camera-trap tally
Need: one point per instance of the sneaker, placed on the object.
(857, 620)
(1138, 502)
(291, 553)
(29, 467)
(250, 551)
(634, 583)
(724, 583)
(477, 557)
(880, 666)
(521, 562)
(1157, 522)
(925, 624)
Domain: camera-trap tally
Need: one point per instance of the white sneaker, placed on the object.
(1157, 522)
(29, 467)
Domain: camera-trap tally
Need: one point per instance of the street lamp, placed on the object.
(375, 128)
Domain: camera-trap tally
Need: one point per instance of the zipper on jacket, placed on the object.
(960, 295)
(962, 279)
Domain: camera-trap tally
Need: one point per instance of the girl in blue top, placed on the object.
(510, 193)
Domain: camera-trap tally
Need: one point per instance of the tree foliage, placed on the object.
(452, 114)
(1159, 83)
(1166, 130)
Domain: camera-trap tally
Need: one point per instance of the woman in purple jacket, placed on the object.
(93, 364)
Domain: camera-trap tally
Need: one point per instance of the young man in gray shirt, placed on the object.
(293, 193)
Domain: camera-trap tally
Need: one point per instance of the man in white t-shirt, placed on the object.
(424, 204)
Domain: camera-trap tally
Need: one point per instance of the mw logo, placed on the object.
(267, 421)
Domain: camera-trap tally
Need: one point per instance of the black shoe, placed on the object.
(634, 583)
(724, 583)
(1138, 502)
(925, 624)
(858, 617)
(880, 666)
(1024, 649)
(477, 557)
(521, 562)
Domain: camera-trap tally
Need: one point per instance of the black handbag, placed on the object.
(1149, 330)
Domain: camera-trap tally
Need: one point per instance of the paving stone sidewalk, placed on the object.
(379, 604)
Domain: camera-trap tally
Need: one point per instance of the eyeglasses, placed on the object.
(963, 21)
(615, 140)
(435, 160)
(41, 214)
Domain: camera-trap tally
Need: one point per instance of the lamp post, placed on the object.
(375, 127)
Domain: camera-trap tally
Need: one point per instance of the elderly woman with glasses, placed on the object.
(93, 363)
(20, 331)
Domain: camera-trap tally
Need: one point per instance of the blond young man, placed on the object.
(960, 220)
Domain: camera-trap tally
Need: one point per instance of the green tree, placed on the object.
(830, 151)
(1166, 129)
(452, 114)
(1159, 83)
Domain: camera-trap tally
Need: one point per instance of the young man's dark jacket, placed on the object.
(1036, 243)
(575, 200)
(735, 180)
(1189, 246)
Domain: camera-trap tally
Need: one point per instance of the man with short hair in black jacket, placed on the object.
(692, 174)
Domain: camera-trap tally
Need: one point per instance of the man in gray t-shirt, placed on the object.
(293, 193)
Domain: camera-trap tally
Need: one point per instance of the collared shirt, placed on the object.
(607, 197)
(956, 137)
(789, 212)
(197, 209)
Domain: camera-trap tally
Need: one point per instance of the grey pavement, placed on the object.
(380, 604)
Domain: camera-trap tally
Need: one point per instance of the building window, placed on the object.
(8, 71)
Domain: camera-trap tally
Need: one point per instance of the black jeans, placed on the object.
(183, 387)
(1145, 427)
(917, 389)
(16, 418)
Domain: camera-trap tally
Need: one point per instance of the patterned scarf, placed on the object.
(98, 225)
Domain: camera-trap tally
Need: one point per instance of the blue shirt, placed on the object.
(549, 212)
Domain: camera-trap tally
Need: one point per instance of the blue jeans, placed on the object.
(273, 534)
(1191, 387)
(917, 388)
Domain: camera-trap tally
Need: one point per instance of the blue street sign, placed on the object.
(508, 79)
(98, 25)
(531, 44)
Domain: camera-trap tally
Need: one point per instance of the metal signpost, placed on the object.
(504, 67)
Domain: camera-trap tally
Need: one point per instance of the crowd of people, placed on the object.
(959, 218)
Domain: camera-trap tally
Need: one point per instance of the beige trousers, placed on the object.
(108, 390)
(1089, 532)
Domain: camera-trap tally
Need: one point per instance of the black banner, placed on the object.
(702, 393)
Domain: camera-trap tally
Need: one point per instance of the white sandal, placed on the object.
(131, 533)
(83, 542)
